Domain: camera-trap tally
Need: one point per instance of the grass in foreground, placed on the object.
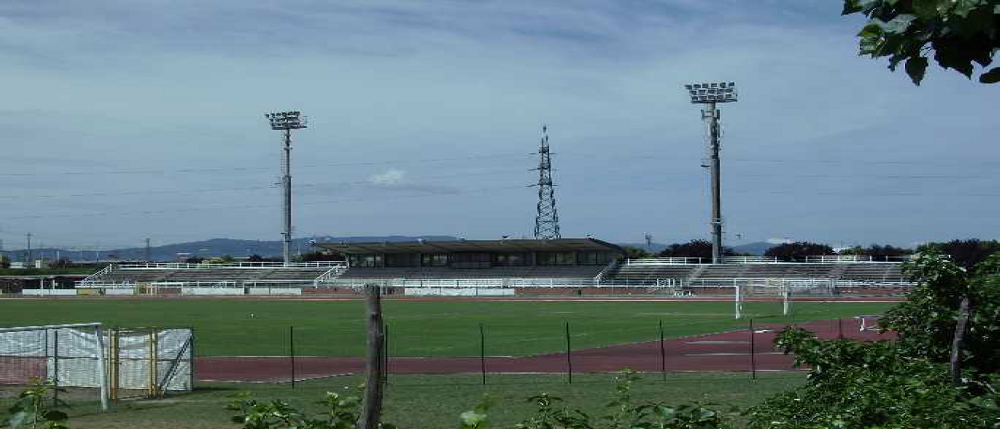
(244, 327)
(421, 401)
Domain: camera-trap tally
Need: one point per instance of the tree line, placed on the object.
(966, 253)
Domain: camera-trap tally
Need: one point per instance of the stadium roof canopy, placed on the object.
(508, 245)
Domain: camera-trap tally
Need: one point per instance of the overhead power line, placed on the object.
(227, 169)
(246, 188)
(423, 194)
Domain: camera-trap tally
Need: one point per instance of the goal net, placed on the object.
(779, 290)
(113, 363)
(64, 355)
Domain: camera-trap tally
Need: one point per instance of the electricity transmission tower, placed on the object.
(709, 94)
(547, 219)
(286, 122)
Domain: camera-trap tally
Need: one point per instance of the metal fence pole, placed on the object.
(291, 351)
(55, 367)
(840, 328)
(482, 352)
(102, 375)
(385, 353)
(569, 358)
(663, 355)
(753, 354)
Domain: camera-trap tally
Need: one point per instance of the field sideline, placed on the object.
(259, 327)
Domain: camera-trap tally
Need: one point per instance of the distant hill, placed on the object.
(217, 247)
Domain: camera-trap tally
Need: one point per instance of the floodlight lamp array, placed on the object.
(716, 92)
(286, 120)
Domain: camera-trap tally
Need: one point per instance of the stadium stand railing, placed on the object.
(855, 258)
(236, 274)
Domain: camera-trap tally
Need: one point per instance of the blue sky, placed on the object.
(125, 120)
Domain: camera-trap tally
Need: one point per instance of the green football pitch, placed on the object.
(245, 327)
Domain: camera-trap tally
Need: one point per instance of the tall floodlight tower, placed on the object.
(709, 94)
(547, 219)
(286, 122)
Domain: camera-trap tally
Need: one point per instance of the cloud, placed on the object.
(390, 177)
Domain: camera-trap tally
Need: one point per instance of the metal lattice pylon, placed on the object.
(547, 219)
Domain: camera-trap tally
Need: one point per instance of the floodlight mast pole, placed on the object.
(709, 94)
(286, 122)
(711, 116)
(286, 206)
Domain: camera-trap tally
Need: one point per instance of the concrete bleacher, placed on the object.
(642, 272)
(883, 272)
(652, 269)
(580, 272)
(184, 273)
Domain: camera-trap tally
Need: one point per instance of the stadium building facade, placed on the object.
(478, 254)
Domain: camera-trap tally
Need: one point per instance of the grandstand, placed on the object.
(231, 278)
(689, 270)
(496, 267)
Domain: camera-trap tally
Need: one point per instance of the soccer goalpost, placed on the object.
(68, 355)
(778, 290)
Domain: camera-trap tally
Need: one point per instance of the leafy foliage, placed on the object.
(877, 252)
(960, 32)
(903, 383)
(622, 413)
(694, 249)
(635, 252)
(966, 253)
(34, 408)
(341, 412)
(798, 250)
(925, 323)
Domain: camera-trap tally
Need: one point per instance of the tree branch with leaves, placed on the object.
(957, 34)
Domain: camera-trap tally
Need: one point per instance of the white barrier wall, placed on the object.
(452, 291)
(128, 291)
(49, 292)
(275, 291)
(212, 291)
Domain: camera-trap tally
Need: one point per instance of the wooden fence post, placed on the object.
(372, 409)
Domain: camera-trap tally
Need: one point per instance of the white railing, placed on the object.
(793, 282)
(750, 260)
(545, 282)
(607, 269)
(202, 284)
(330, 275)
(683, 260)
(205, 265)
(103, 272)
(668, 261)
(855, 258)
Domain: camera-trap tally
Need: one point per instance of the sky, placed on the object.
(126, 120)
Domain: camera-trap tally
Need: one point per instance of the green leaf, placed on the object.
(992, 76)
(899, 24)
(925, 9)
(915, 67)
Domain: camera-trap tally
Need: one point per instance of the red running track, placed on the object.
(728, 351)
